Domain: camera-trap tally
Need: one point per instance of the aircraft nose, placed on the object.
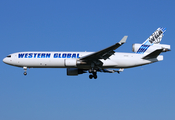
(5, 60)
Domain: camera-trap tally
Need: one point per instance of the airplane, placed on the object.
(101, 61)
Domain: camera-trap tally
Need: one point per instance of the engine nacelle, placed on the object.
(151, 48)
(74, 71)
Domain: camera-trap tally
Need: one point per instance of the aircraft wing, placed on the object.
(105, 53)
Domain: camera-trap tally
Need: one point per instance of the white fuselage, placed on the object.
(69, 60)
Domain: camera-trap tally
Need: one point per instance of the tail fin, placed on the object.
(155, 38)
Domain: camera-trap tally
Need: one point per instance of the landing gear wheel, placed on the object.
(25, 70)
(25, 73)
(95, 76)
(90, 76)
(93, 73)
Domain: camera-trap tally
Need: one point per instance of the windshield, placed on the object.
(9, 56)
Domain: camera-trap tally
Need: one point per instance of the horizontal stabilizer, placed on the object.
(153, 54)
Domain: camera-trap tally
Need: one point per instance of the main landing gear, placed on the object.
(93, 74)
(25, 71)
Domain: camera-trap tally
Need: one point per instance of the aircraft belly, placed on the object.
(127, 62)
(41, 63)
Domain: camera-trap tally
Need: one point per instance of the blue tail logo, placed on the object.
(155, 38)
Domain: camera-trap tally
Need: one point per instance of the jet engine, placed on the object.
(74, 71)
(150, 48)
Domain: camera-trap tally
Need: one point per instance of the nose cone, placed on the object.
(8, 60)
(5, 60)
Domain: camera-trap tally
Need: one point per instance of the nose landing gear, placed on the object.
(25, 73)
(25, 70)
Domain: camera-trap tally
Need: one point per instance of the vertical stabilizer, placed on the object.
(155, 38)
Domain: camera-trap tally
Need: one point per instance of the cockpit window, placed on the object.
(9, 56)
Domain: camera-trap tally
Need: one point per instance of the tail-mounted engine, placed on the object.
(149, 48)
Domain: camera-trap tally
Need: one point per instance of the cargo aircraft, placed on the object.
(104, 60)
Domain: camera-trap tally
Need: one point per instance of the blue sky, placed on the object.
(140, 93)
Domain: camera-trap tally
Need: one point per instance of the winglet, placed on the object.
(123, 40)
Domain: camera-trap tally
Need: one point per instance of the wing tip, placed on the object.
(123, 40)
